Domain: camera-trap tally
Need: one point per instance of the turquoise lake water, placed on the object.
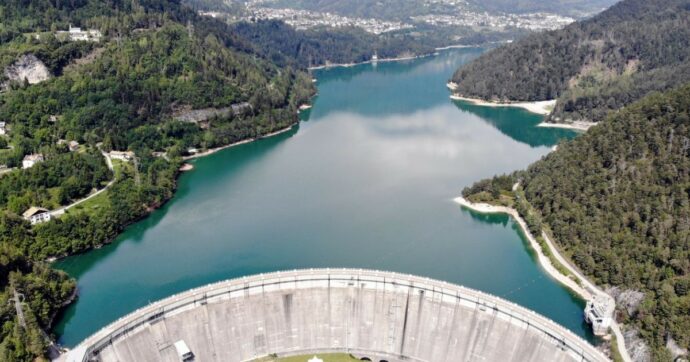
(366, 180)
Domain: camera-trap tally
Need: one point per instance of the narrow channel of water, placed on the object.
(366, 180)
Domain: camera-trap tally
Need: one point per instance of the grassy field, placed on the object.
(102, 200)
(326, 357)
(91, 205)
(119, 167)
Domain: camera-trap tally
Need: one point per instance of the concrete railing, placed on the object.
(302, 279)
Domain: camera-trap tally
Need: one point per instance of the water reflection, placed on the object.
(517, 123)
(366, 183)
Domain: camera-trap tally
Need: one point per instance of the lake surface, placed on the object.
(365, 181)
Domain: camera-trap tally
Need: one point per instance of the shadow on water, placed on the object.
(496, 219)
(369, 172)
(232, 159)
(521, 293)
(245, 154)
(518, 124)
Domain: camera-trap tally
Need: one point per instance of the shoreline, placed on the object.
(544, 261)
(211, 151)
(587, 291)
(539, 107)
(396, 59)
(55, 258)
(458, 46)
(303, 107)
(186, 167)
(577, 125)
(382, 60)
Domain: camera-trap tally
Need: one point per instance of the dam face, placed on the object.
(378, 315)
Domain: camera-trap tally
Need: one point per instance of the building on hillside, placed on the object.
(36, 215)
(77, 34)
(122, 155)
(72, 145)
(599, 313)
(3, 128)
(30, 160)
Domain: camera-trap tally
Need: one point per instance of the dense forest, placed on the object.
(323, 45)
(282, 43)
(327, 45)
(593, 66)
(617, 202)
(157, 59)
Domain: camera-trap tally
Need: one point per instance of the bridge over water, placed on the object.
(379, 315)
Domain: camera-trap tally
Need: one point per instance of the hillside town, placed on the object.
(304, 19)
(443, 13)
(534, 21)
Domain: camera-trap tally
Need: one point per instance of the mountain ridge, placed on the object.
(152, 59)
(592, 66)
(617, 202)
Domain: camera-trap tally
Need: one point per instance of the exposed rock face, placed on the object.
(628, 299)
(27, 67)
(637, 348)
(675, 349)
(202, 115)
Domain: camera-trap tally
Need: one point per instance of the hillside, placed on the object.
(285, 45)
(325, 31)
(403, 9)
(617, 201)
(591, 67)
(574, 8)
(145, 64)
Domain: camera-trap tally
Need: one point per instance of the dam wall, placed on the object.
(382, 316)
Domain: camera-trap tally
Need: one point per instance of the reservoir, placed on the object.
(365, 180)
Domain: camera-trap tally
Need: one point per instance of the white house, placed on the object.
(36, 215)
(3, 128)
(77, 34)
(73, 145)
(30, 160)
(122, 155)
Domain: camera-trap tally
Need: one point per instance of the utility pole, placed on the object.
(18, 299)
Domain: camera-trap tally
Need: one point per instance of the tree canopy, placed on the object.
(617, 201)
(592, 66)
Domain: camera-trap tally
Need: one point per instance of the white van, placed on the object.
(183, 351)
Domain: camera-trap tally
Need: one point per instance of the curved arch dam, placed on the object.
(378, 315)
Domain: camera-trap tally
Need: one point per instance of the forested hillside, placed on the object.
(591, 67)
(617, 202)
(283, 44)
(156, 60)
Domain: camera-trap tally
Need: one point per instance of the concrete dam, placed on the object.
(373, 315)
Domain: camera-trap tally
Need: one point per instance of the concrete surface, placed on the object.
(379, 315)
